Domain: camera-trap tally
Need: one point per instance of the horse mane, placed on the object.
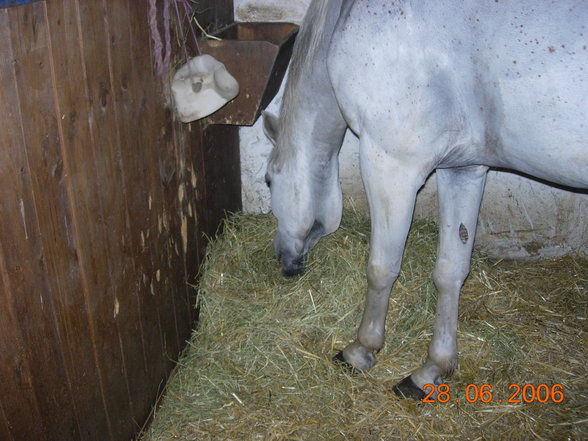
(308, 39)
(305, 48)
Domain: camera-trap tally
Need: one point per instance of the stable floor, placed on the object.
(258, 366)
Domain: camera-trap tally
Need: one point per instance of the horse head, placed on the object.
(305, 199)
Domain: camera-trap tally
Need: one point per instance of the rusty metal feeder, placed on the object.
(257, 55)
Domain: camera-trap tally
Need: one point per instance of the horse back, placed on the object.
(469, 82)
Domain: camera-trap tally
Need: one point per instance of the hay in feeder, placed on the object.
(258, 367)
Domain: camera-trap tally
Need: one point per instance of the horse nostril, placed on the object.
(299, 261)
(292, 270)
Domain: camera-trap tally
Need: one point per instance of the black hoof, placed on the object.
(340, 361)
(408, 389)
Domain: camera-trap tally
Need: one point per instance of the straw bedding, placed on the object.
(258, 366)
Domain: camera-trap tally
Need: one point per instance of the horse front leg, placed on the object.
(391, 188)
(460, 193)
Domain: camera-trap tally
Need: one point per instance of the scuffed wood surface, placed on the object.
(105, 204)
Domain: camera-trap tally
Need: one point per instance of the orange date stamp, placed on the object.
(517, 393)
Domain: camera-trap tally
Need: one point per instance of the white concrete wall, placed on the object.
(520, 218)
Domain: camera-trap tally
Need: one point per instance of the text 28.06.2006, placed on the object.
(526, 393)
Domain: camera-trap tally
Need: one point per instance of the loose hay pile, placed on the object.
(258, 367)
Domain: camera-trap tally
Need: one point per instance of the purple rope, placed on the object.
(156, 37)
(162, 62)
(167, 30)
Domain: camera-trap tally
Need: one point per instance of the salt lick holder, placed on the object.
(255, 54)
(201, 87)
(258, 55)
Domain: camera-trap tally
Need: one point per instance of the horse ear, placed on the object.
(270, 126)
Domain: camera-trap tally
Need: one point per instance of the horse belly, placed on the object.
(533, 71)
(543, 128)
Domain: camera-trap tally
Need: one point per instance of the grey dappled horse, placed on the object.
(446, 85)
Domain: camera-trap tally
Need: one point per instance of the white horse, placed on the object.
(446, 85)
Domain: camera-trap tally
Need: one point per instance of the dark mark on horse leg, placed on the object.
(463, 233)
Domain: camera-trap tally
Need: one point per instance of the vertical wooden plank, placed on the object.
(18, 401)
(172, 270)
(105, 130)
(150, 123)
(176, 177)
(52, 181)
(130, 89)
(89, 190)
(24, 256)
(198, 207)
(4, 426)
(153, 134)
(184, 296)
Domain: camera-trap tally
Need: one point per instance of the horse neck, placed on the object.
(311, 123)
(315, 123)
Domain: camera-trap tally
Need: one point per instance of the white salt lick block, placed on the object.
(201, 87)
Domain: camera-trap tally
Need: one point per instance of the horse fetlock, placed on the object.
(360, 357)
(429, 373)
(443, 358)
(448, 366)
(371, 337)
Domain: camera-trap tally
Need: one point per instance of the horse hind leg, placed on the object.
(460, 193)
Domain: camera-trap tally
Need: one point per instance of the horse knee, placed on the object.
(380, 277)
(449, 275)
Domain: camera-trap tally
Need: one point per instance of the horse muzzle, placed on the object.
(292, 266)
(293, 261)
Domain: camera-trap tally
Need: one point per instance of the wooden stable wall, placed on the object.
(104, 203)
